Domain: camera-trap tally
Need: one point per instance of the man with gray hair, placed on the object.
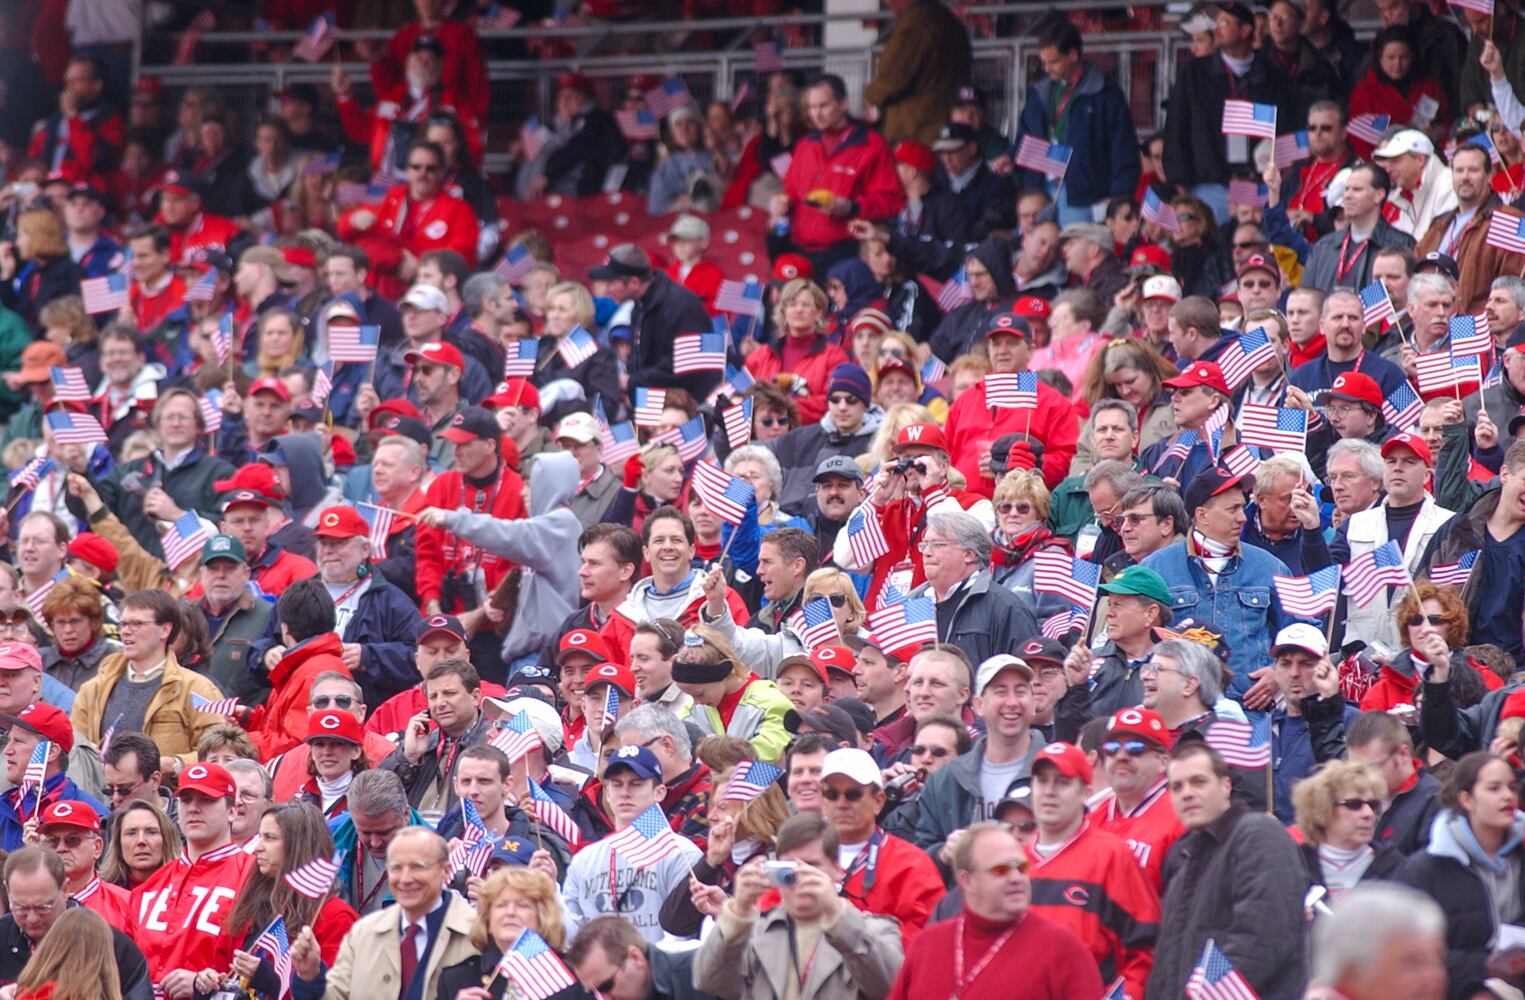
(1382, 942)
(1113, 437)
(490, 302)
(1505, 306)
(1353, 471)
(378, 811)
(1106, 485)
(1284, 519)
(660, 310)
(975, 615)
(1182, 682)
(687, 780)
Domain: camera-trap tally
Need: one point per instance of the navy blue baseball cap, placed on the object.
(637, 759)
(513, 850)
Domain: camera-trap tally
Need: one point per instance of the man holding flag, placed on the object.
(1463, 234)
(36, 756)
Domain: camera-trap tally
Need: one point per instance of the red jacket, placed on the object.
(149, 310)
(205, 231)
(620, 628)
(82, 149)
(973, 427)
(111, 902)
(703, 280)
(463, 71)
(372, 127)
(181, 909)
(281, 722)
(445, 223)
(1374, 96)
(854, 164)
(1038, 962)
(1149, 830)
(1093, 887)
(765, 365)
(394, 713)
(291, 767)
(1395, 688)
(437, 550)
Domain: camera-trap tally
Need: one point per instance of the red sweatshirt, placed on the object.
(854, 163)
(1149, 830)
(181, 910)
(973, 427)
(1040, 961)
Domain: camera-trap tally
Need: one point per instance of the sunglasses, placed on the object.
(936, 753)
(837, 600)
(842, 399)
(1414, 621)
(851, 795)
(427, 168)
(1134, 520)
(1186, 217)
(341, 701)
(1355, 805)
(16, 616)
(604, 988)
(1025, 826)
(773, 421)
(1018, 506)
(1002, 869)
(1134, 748)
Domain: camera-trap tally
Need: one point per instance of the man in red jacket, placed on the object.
(840, 172)
(974, 425)
(73, 831)
(462, 69)
(402, 107)
(190, 226)
(182, 908)
(413, 218)
(1136, 806)
(83, 140)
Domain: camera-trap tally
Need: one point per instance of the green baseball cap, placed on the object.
(1141, 582)
(223, 547)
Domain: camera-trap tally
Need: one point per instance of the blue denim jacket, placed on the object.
(1243, 606)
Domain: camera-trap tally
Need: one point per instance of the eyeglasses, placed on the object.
(1355, 805)
(1187, 217)
(1050, 673)
(936, 753)
(1152, 669)
(427, 168)
(73, 841)
(1134, 520)
(342, 701)
(16, 616)
(1014, 506)
(773, 421)
(1024, 826)
(1247, 245)
(1414, 621)
(605, 987)
(842, 399)
(36, 911)
(130, 625)
(1321, 128)
(932, 546)
(851, 794)
(1134, 748)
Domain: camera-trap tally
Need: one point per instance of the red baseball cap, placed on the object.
(1200, 373)
(249, 497)
(399, 407)
(584, 641)
(46, 721)
(95, 550)
(1413, 442)
(921, 436)
(437, 353)
(618, 674)
(513, 392)
(19, 656)
(801, 660)
(75, 814)
(257, 477)
(342, 522)
(1151, 256)
(838, 658)
(915, 154)
(1068, 758)
(789, 266)
(211, 780)
(1031, 307)
(1142, 722)
(271, 384)
(1357, 387)
(334, 725)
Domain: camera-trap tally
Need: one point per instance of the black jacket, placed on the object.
(989, 201)
(584, 161)
(933, 244)
(189, 484)
(911, 308)
(1405, 826)
(961, 327)
(599, 377)
(1384, 866)
(664, 311)
(1196, 149)
(418, 775)
(472, 971)
(16, 950)
(982, 618)
(1239, 881)
(804, 448)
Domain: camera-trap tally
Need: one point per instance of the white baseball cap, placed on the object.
(1303, 636)
(996, 665)
(1406, 140)
(426, 297)
(579, 426)
(1162, 286)
(853, 764)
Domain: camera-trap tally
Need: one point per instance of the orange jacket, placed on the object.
(281, 722)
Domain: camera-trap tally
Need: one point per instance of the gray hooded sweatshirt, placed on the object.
(542, 545)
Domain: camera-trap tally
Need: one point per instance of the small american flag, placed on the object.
(320, 166)
(1258, 121)
(671, 95)
(1240, 461)
(933, 370)
(767, 57)
(1274, 427)
(780, 164)
(727, 496)
(1308, 596)
(740, 298)
(36, 769)
(516, 737)
(1376, 305)
(1470, 335)
(611, 708)
(737, 420)
(1455, 574)
(1369, 128)
(1506, 231)
(619, 441)
(1012, 390)
(955, 292)
(1242, 744)
(1215, 977)
(532, 137)
(1047, 158)
(689, 438)
(318, 40)
(276, 943)
(211, 410)
(865, 538)
(353, 344)
(737, 381)
(533, 967)
(750, 779)
(814, 624)
(185, 48)
(222, 339)
(1056, 627)
(110, 732)
(649, 404)
(1251, 193)
(1159, 212)
(698, 352)
(1245, 355)
(1290, 148)
(31, 474)
(315, 878)
(183, 540)
(1117, 991)
(105, 294)
(205, 288)
(515, 265)
(1180, 448)
(910, 621)
(637, 124)
(1481, 6)
(322, 384)
(577, 347)
(500, 18)
(647, 840)
(1369, 572)
(476, 847)
(520, 357)
(1495, 374)
(75, 428)
(1059, 573)
(1443, 372)
(1402, 407)
(380, 519)
(226, 707)
(1481, 141)
(69, 384)
(545, 809)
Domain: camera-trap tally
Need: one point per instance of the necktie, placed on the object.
(409, 956)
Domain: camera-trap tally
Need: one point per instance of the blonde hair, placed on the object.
(77, 958)
(712, 649)
(582, 302)
(1024, 484)
(830, 579)
(1315, 796)
(533, 885)
(896, 419)
(787, 295)
(69, 313)
(272, 365)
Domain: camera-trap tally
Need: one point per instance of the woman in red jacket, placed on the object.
(1432, 622)
(290, 835)
(801, 361)
(1393, 87)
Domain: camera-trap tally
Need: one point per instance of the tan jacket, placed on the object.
(926, 59)
(137, 568)
(744, 959)
(369, 963)
(1479, 262)
(170, 721)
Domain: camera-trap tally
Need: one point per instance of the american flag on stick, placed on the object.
(183, 541)
(500, 18)
(1376, 305)
(814, 624)
(204, 289)
(222, 339)
(76, 428)
(1047, 158)
(750, 779)
(516, 737)
(69, 384)
(671, 95)
(226, 707)
(380, 519)
(1455, 574)
(210, 405)
(318, 40)
(955, 292)
(1506, 231)
(698, 352)
(1012, 390)
(1290, 148)
(515, 265)
(1470, 335)
(637, 124)
(865, 537)
(1369, 572)
(1443, 372)
(1308, 596)
(689, 438)
(1159, 212)
(737, 420)
(1258, 121)
(619, 441)
(31, 474)
(767, 57)
(649, 404)
(532, 137)
(1245, 355)
(647, 840)
(1402, 407)
(1251, 193)
(1240, 461)
(1061, 574)
(1215, 977)
(276, 943)
(315, 878)
(545, 809)
(727, 496)
(533, 968)
(105, 294)
(322, 384)
(35, 599)
(1369, 127)
(576, 347)
(36, 769)
(740, 298)
(353, 344)
(910, 621)
(1242, 744)
(1274, 427)
(1058, 626)
(520, 358)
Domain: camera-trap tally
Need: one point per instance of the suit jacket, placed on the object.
(369, 963)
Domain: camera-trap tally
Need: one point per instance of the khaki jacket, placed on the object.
(170, 721)
(858, 956)
(369, 963)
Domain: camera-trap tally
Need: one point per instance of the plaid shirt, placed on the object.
(686, 804)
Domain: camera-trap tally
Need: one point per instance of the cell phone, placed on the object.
(782, 874)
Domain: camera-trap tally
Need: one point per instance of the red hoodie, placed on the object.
(281, 722)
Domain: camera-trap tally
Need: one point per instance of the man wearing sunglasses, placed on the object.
(331, 690)
(1308, 726)
(613, 962)
(1134, 805)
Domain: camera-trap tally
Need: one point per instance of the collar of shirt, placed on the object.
(422, 923)
(149, 674)
(957, 182)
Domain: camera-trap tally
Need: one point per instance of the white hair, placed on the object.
(763, 457)
(1356, 933)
